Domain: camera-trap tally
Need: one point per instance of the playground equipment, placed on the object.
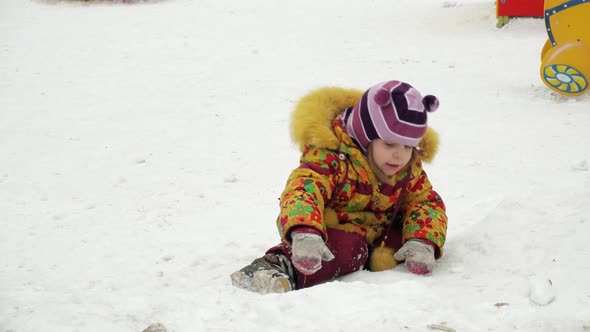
(513, 8)
(565, 57)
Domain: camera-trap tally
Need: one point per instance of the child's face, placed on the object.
(390, 157)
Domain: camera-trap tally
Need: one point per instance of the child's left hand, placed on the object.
(419, 256)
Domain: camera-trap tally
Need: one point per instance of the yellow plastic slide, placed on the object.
(565, 66)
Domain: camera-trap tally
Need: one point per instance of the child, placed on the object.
(359, 198)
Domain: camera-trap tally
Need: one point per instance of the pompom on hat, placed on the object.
(393, 111)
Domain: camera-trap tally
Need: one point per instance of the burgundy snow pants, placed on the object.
(350, 250)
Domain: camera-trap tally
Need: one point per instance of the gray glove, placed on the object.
(308, 252)
(419, 256)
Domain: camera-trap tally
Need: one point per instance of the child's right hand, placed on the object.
(308, 252)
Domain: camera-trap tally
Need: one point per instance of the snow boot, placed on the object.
(272, 273)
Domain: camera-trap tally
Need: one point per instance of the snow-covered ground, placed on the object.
(143, 147)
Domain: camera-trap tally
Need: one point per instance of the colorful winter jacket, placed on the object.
(335, 187)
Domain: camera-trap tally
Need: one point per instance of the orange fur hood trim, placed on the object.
(311, 120)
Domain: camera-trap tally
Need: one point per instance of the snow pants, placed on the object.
(351, 254)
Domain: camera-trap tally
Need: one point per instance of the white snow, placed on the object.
(541, 290)
(143, 147)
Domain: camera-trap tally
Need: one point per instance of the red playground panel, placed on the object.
(530, 8)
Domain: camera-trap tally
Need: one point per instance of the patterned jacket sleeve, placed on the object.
(425, 215)
(308, 189)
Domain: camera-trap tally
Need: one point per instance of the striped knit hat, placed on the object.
(393, 111)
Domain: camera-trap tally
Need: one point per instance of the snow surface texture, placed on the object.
(143, 147)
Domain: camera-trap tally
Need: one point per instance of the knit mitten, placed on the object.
(308, 252)
(419, 256)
